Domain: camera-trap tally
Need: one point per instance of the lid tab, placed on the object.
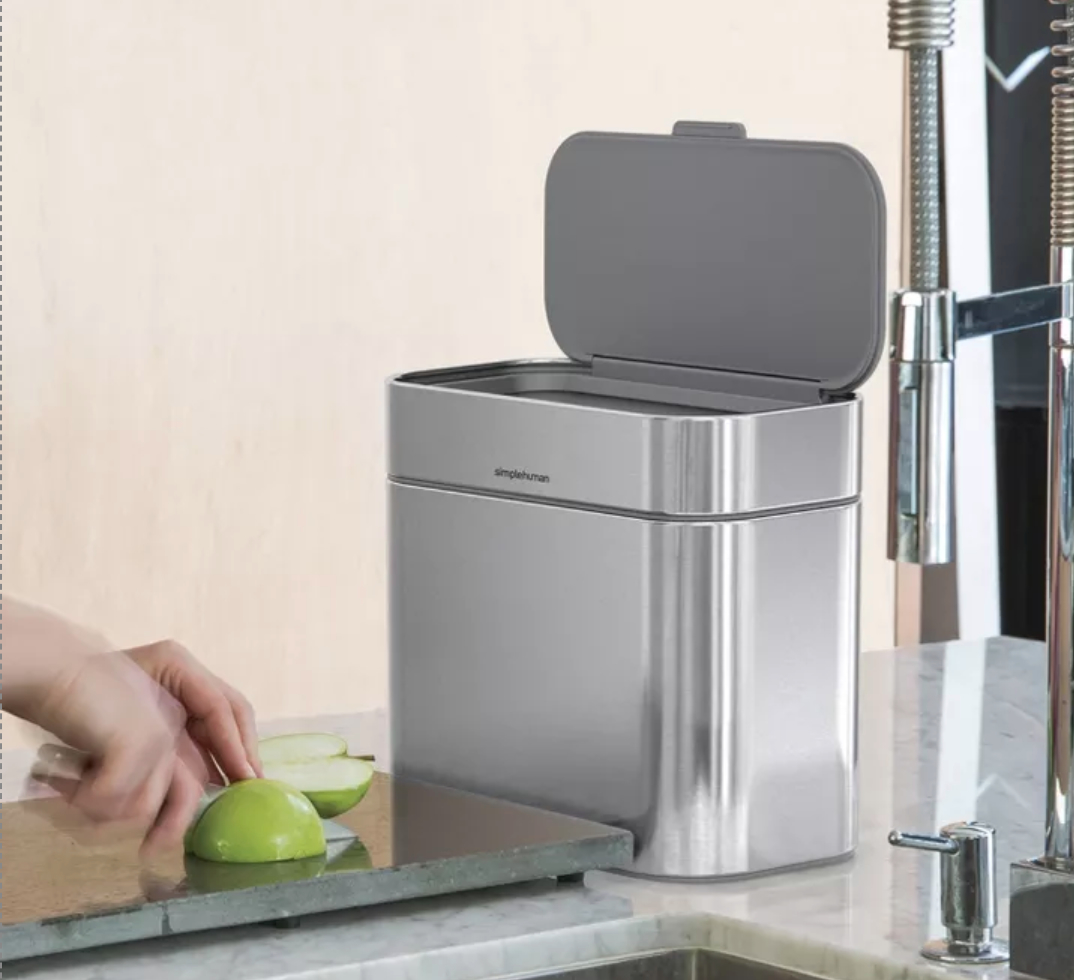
(725, 131)
(708, 250)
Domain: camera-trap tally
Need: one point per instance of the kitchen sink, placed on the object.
(680, 964)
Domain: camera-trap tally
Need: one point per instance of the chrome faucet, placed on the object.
(927, 324)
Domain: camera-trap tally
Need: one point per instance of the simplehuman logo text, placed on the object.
(524, 475)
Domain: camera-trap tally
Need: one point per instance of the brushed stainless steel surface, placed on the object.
(627, 584)
(446, 429)
(691, 681)
(922, 414)
(970, 910)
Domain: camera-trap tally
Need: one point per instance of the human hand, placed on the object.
(217, 717)
(150, 727)
(136, 765)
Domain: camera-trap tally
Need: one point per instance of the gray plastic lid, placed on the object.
(705, 249)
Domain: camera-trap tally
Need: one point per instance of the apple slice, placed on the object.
(318, 766)
(333, 785)
(284, 749)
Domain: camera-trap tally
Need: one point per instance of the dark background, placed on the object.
(1019, 149)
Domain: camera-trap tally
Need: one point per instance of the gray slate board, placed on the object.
(406, 840)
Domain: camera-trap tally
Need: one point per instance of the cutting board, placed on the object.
(406, 840)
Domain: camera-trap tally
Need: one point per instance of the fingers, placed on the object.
(58, 785)
(206, 764)
(134, 765)
(196, 760)
(247, 723)
(160, 888)
(217, 730)
(165, 802)
(191, 775)
(219, 718)
(129, 784)
(180, 805)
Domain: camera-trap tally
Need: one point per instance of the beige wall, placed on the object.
(228, 222)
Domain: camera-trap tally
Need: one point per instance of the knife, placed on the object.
(59, 763)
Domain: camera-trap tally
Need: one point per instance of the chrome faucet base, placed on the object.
(1042, 921)
(966, 954)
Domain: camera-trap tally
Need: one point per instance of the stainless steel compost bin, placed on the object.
(624, 585)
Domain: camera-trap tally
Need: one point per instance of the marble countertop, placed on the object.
(948, 732)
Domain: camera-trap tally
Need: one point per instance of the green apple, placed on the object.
(255, 822)
(318, 766)
(214, 876)
(210, 795)
(333, 785)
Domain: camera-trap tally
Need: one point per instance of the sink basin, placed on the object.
(680, 964)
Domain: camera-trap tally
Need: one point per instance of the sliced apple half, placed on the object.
(317, 765)
(333, 786)
(285, 749)
(257, 821)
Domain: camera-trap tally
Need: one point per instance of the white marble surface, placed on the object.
(947, 733)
